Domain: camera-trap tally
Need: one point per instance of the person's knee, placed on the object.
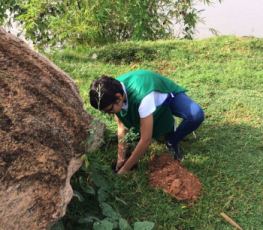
(198, 114)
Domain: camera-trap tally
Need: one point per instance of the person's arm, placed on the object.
(142, 146)
(121, 145)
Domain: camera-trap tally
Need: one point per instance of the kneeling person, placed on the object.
(146, 101)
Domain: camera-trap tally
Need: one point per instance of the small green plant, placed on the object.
(131, 137)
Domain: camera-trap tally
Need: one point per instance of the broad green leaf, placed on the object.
(99, 181)
(58, 226)
(102, 195)
(143, 225)
(124, 225)
(103, 225)
(114, 222)
(78, 195)
(87, 219)
(109, 212)
(89, 189)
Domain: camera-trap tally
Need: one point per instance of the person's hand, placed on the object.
(119, 164)
(122, 171)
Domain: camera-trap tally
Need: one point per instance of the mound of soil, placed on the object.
(169, 175)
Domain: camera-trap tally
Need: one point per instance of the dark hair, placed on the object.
(102, 92)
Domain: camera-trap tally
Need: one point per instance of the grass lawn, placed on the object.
(225, 76)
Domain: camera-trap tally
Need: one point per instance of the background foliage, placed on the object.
(99, 22)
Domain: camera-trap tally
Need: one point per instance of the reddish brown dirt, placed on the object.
(169, 175)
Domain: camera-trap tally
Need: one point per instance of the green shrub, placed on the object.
(126, 52)
(100, 22)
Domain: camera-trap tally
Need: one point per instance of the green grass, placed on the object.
(224, 75)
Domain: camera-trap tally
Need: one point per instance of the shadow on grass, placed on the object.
(228, 160)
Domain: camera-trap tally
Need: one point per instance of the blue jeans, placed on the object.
(192, 114)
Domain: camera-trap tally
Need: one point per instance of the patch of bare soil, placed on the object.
(169, 175)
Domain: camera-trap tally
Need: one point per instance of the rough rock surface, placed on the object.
(170, 176)
(42, 129)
